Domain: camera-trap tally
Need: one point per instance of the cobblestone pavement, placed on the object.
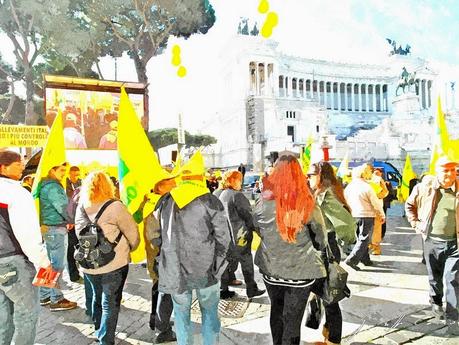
(388, 305)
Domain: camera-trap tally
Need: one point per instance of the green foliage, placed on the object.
(168, 136)
(142, 27)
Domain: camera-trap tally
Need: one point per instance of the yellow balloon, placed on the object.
(176, 60)
(263, 7)
(266, 30)
(272, 18)
(181, 72)
(176, 50)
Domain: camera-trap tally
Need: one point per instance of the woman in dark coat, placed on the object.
(288, 222)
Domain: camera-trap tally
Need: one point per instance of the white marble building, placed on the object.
(269, 101)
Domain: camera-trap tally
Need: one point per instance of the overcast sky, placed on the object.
(344, 30)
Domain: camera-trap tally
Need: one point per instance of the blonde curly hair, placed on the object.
(96, 187)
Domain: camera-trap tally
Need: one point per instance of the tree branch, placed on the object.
(117, 34)
(26, 49)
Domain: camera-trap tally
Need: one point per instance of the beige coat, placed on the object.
(115, 218)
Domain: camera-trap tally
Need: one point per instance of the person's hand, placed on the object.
(383, 220)
(70, 227)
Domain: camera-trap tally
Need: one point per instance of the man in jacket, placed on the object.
(365, 206)
(54, 220)
(433, 210)
(73, 182)
(20, 251)
(194, 241)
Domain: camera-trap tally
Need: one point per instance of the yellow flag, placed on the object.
(138, 167)
(306, 155)
(408, 175)
(442, 144)
(52, 155)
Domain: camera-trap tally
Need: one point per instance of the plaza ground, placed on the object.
(389, 305)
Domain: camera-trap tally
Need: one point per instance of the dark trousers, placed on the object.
(71, 264)
(107, 292)
(287, 309)
(442, 261)
(364, 233)
(161, 310)
(383, 226)
(242, 255)
(333, 316)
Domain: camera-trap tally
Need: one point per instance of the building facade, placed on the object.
(270, 101)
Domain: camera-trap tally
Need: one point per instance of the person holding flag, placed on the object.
(51, 202)
(194, 241)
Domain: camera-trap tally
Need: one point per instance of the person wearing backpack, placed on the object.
(116, 227)
(340, 225)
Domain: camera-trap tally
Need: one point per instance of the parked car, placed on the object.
(250, 180)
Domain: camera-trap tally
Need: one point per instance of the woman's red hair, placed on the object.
(231, 179)
(294, 201)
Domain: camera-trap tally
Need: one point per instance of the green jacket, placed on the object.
(53, 204)
(336, 217)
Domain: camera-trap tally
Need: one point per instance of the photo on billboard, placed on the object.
(90, 117)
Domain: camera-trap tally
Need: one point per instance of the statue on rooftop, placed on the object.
(399, 50)
(406, 80)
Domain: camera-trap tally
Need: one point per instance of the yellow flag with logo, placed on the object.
(53, 154)
(306, 155)
(407, 176)
(138, 166)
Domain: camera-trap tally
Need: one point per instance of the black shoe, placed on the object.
(352, 265)
(227, 294)
(165, 337)
(255, 293)
(368, 263)
(437, 311)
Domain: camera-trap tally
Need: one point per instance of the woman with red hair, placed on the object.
(289, 225)
(239, 214)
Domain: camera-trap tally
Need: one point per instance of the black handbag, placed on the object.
(335, 284)
(313, 312)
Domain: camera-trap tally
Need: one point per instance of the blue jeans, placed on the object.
(106, 300)
(208, 302)
(19, 306)
(56, 246)
(88, 294)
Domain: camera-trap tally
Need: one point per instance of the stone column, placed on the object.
(424, 92)
(359, 96)
(265, 76)
(257, 80)
(339, 96)
(381, 107)
(374, 97)
(345, 97)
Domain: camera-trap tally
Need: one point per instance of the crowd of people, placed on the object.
(196, 239)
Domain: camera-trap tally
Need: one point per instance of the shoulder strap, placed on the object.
(102, 209)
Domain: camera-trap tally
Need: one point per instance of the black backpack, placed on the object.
(94, 250)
